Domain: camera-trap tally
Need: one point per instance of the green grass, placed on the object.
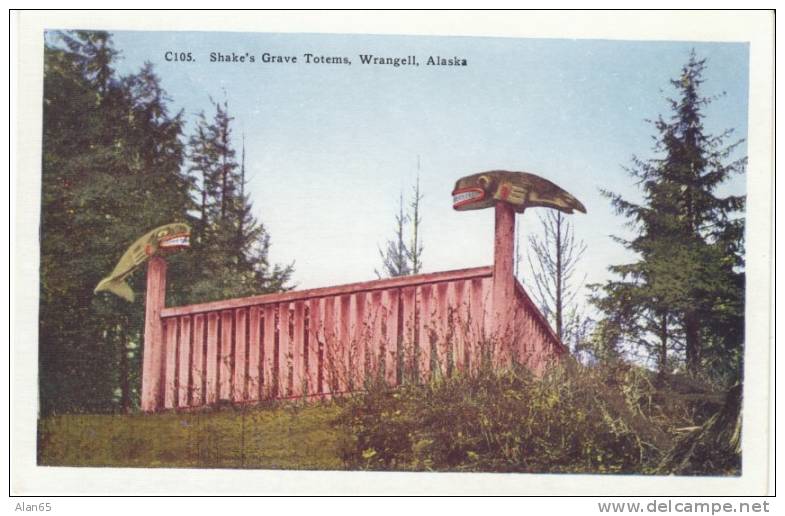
(610, 419)
(290, 436)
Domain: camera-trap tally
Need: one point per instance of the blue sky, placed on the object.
(329, 147)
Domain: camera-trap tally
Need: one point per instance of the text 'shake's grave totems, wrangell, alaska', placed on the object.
(327, 341)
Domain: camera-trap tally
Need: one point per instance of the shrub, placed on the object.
(572, 419)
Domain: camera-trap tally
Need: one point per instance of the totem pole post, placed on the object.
(152, 366)
(509, 193)
(503, 291)
(150, 246)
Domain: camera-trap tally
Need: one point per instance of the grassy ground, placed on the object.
(611, 419)
(277, 437)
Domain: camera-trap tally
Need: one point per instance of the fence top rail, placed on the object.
(298, 295)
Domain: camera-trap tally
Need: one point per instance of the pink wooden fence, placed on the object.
(327, 341)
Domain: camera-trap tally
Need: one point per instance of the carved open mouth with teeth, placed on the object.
(464, 196)
(177, 241)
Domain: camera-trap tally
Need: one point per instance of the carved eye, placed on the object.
(484, 180)
(163, 233)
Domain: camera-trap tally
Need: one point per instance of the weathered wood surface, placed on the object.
(184, 362)
(322, 342)
(212, 358)
(503, 298)
(197, 361)
(366, 286)
(152, 359)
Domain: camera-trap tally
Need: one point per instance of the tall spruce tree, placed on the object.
(229, 255)
(686, 291)
(110, 172)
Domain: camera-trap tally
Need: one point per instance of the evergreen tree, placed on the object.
(112, 169)
(395, 258)
(398, 257)
(110, 172)
(415, 249)
(685, 293)
(229, 255)
(252, 244)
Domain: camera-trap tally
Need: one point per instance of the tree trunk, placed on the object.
(242, 197)
(125, 371)
(401, 255)
(224, 167)
(663, 351)
(223, 188)
(694, 344)
(203, 220)
(416, 225)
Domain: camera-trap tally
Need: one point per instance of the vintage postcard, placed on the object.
(431, 249)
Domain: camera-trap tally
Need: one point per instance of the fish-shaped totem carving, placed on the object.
(519, 189)
(164, 239)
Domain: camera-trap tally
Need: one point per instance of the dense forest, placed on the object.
(117, 162)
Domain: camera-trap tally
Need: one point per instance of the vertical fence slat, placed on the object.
(408, 330)
(532, 331)
(374, 316)
(315, 307)
(298, 350)
(522, 325)
(330, 355)
(391, 342)
(358, 340)
(254, 353)
(477, 323)
(184, 362)
(441, 327)
(424, 337)
(468, 342)
(240, 353)
(344, 343)
(170, 341)
(197, 361)
(268, 355)
(459, 324)
(225, 358)
(212, 357)
(529, 343)
(521, 335)
(524, 336)
(487, 304)
(283, 349)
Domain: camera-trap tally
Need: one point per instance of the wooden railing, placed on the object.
(326, 341)
(322, 342)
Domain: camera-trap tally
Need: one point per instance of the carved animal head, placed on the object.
(519, 189)
(168, 238)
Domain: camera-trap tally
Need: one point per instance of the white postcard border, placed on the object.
(756, 28)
